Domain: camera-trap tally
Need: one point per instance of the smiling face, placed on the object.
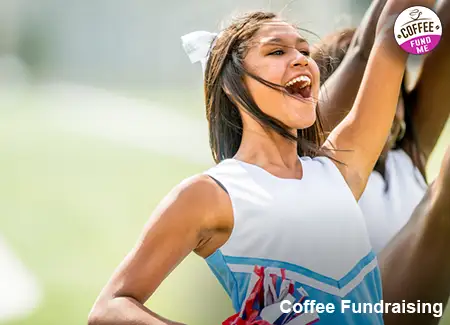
(278, 54)
(259, 76)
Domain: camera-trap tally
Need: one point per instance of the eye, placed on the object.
(305, 53)
(277, 52)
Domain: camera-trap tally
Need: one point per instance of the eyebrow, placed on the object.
(280, 40)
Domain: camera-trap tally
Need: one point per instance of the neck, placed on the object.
(266, 147)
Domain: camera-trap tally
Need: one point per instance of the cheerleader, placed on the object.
(280, 202)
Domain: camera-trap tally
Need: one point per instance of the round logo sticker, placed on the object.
(418, 30)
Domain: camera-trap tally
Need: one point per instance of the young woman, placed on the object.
(398, 182)
(275, 198)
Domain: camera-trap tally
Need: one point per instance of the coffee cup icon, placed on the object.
(415, 14)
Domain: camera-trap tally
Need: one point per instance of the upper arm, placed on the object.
(175, 229)
(358, 140)
(430, 100)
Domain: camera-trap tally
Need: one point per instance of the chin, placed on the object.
(304, 121)
(302, 114)
(303, 124)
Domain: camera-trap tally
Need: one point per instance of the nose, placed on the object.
(301, 60)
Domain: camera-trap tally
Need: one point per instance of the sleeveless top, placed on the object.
(311, 229)
(387, 203)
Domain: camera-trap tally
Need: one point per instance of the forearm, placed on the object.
(125, 311)
(415, 265)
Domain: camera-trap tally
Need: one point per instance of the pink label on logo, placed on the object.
(421, 44)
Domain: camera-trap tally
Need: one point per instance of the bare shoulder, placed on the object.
(199, 195)
(204, 205)
(200, 188)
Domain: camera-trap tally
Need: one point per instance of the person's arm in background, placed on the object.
(339, 91)
(430, 100)
(415, 265)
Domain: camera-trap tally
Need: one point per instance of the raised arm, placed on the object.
(359, 139)
(430, 98)
(339, 91)
(184, 222)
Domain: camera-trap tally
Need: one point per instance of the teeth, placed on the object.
(304, 79)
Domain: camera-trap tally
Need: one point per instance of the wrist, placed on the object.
(385, 26)
(390, 51)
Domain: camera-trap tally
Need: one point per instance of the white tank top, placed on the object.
(387, 204)
(312, 228)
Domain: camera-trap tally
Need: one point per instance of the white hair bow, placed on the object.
(197, 46)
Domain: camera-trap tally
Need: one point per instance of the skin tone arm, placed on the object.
(358, 140)
(430, 100)
(415, 264)
(339, 91)
(431, 107)
(185, 221)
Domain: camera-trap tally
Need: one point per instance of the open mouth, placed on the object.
(299, 87)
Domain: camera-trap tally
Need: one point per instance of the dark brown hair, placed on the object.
(330, 52)
(225, 70)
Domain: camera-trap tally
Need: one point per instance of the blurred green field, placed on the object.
(72, 206)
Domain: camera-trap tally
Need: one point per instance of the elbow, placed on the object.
(98, 314)
(94, 318)
(361, 52)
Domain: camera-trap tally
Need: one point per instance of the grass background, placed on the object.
(72, 205)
